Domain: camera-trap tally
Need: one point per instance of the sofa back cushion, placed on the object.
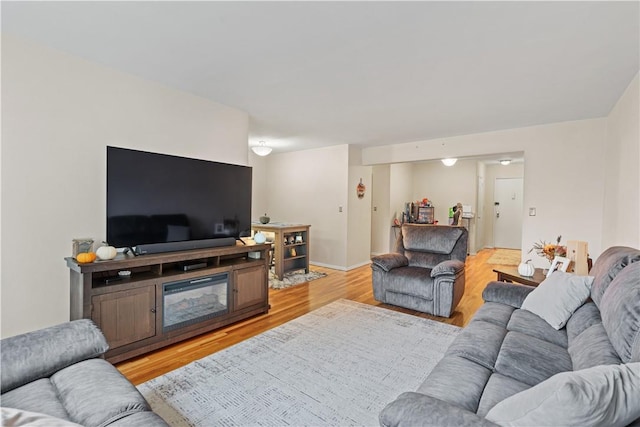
(607, 266)
(428, 245)
(620, 311)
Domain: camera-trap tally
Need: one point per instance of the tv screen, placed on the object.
(155, 199)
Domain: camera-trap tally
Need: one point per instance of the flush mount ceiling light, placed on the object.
(261, 149)
(449, 161)
(505, 162)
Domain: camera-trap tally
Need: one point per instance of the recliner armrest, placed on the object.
(452, 266)
(390, 261)
(511, 294)
(39, 354)
(415, 409)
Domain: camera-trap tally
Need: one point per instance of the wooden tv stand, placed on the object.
(129, 311)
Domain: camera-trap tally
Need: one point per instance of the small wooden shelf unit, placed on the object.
(288, 256)
(130, 311)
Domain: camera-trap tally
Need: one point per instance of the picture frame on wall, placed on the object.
(559, 263)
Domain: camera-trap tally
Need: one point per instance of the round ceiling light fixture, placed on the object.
(505, 162)
(449, 161)
(261, 149)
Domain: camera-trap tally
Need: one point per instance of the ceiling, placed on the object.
(312, 74)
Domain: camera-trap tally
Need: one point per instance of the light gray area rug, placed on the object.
(338, 365)
(293, 278)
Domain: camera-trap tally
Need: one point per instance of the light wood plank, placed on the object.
(287, 304)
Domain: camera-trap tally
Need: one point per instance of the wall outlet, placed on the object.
(339, 208)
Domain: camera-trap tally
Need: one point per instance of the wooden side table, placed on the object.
(511, 275)
(291, 246)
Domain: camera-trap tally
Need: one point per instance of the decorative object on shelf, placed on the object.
(549, 250)
(298, 238)
(449, 161)
(261, 149)
(293, 252)
(81, 245)
(560, 264)
(360, 189)
(525, 269)
(85, 257)
(106, 252)
(259, 238)
(265, 219)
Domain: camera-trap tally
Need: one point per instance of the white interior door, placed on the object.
(507, 213)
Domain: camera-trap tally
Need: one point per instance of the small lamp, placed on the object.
(261, 149)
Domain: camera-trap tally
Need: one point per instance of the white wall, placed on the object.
(309, 187)
(260, 185)
(359, 212)
(563, 174)
(622, 181)
(400, 192)
(58, 115)
(381, 218)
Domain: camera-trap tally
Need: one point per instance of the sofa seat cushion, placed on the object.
(479, 342)
(412, 281)
(493, 312)
(607, 267)
(621, 313)
(531, 360)
(582, 319)
(37, 396)
(498, 388)
(525, 322)
(444, 382)
(592, 348)
(95, 393)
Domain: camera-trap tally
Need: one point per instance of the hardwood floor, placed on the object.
(287, 304)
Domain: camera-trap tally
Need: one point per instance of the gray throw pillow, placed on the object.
(558, 296)
(605, 395)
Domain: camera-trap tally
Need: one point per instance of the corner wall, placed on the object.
(59, 113)
(621, 154)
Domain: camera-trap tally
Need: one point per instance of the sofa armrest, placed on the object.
(39, 354)
(390, 261)
(452, 266)
(506, 293)
(416, 409)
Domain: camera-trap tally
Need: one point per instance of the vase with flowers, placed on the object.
(549, 250)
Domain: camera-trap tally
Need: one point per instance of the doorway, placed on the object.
(507, 213)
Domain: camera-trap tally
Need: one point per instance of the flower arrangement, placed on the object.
(549, 250)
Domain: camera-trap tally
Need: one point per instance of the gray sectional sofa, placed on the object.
(510, 366)
(56, 376)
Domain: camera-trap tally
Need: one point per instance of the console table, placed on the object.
(290, 246)
(135, 311)
(510, 275)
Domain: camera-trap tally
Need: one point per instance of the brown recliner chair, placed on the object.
(426, 271)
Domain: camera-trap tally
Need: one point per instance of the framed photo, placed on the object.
(559, 263)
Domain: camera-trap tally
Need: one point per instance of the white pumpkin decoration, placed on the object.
(106, 252)
(526, 269)
(259, 238)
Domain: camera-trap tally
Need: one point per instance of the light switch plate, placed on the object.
(532, 211)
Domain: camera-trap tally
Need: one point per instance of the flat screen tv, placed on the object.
(160, 203)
